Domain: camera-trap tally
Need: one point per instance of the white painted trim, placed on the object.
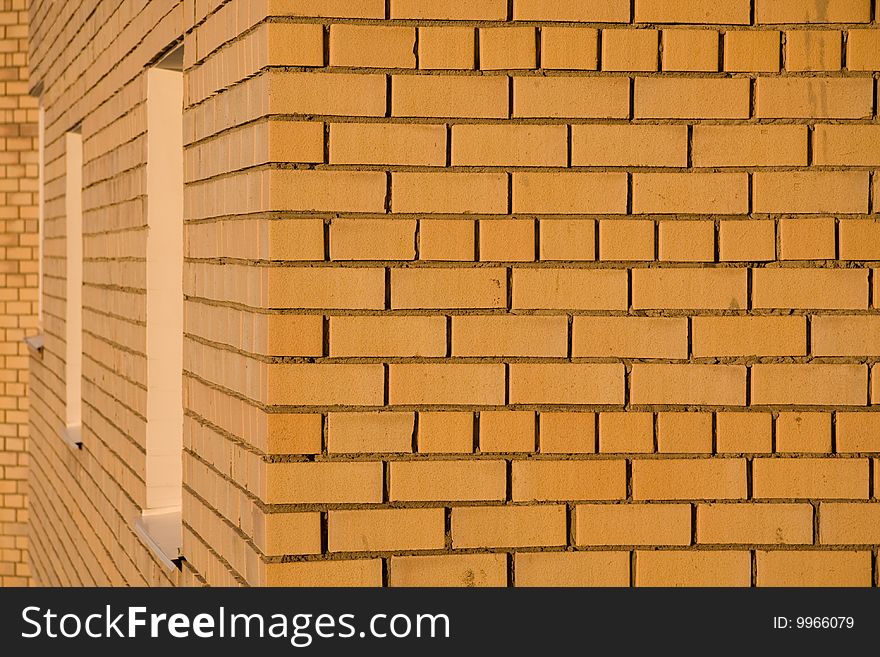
(161, 530)
(72, 435)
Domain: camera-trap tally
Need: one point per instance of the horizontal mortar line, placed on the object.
(630, 24)
(538, 120)
(557, 73)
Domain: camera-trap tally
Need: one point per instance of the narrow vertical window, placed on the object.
(160, 523)
(41, 209)
(73, 319)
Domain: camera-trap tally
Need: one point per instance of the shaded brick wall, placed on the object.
(496, 293)
(18, 283)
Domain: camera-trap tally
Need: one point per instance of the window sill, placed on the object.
(72, 436)
(35, 344)
(161, 530)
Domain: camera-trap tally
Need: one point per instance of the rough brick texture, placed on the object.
(19, 252)
(478, 293)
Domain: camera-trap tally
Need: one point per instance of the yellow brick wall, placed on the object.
(18, 284)
(479, 293)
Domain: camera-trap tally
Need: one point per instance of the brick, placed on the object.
(626, 433)
(296, 239)
(747, 51)
(569, 48)
(673, 11)
(370, 432)
(690, 50)
(598, 11)
(566, 383)
(831, 385)
(684, 433)
(743, 433)
(690, 568)
(567, 433)
(845, 335)
(569, 193)
(332, 94)
(509, 145)
(810, 288)
(456, 10)
(374, 336)
(543, 480)
(857, 432)
(863, 50)
(813, 568)
(322, 483)
(287, 533)
(446, 239)
(296, 141)
(780, 524)
(690, 193)
(630, 50)
(507, 431)
(689, 479)
(810, 478)
(577, 289)
(570, 97)
(301, 190)
(295, 433)
(859, 239)
(629, 145)
(384, 530)
(749, 336)
(847, 145)
(449, 193)
(358, 572)
(507, 240)
(447, 481)
(446, 47)
(294, 335)
(326, 288)
(630, 337)
(449, 570)
(812, 11)
(445, 433)
(604, 568)
(380, 143)
(719, 289)
(626, 239)
(691, 98)
(687, 241)
(713, 385)
(818, 98)
(508, 526)
(334, 8)
(507, 48)
(813, 50)
(849, 524)
(749, 145)
(459, 96)
(481, 287)
(372, 239)
(567, 239)
(807, 238)
(324, 385)
(803, 432)
(446, 383)
(509, 335)
(632, 524)
(751, 240)
(372, 46)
